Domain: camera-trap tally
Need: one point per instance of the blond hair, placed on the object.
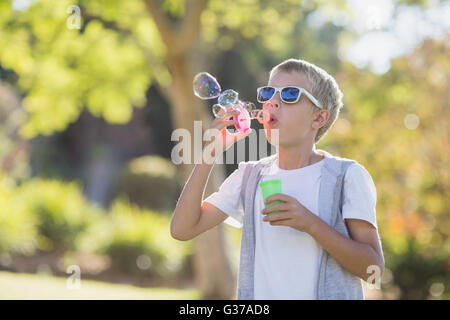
(321, 85)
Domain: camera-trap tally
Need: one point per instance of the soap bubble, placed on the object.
(206, 86)
(228, 97)
(218, 111)
(254, 113)
(261, 115)
(249, 106)
(143, 262)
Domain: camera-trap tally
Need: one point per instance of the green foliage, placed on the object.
(150, 182)
(13, 154)
(18, 226)
(128, 234)
(60, 210)
(408, 159)
(416, 270)
(224, 22)
(53, 215)
(107, 66)
(63, 70)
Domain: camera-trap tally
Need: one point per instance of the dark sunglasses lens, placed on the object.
(289, 94)
(266, 93)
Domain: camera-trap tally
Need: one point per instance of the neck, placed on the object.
(295, 157)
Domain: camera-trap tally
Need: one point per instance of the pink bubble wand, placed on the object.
(207, 87)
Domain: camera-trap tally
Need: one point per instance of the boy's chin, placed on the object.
(272, 136)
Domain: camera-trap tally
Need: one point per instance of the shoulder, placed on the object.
(358, 176)
(350, 167)
(334, 164)
(357, 169)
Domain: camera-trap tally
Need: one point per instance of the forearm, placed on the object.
(354, 256)
(188, 208)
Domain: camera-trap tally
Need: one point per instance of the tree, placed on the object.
(107, 67)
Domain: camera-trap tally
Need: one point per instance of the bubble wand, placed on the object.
(206, 87)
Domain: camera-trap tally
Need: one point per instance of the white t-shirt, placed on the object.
(286, 259)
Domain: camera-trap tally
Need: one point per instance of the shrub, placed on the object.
(137, 241)
(18, 227)
(52, 215)
(60, 210)
(149, 182)
(415, 270)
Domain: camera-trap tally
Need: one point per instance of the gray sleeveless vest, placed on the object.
(334, 282)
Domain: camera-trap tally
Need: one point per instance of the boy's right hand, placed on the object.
(222, 139)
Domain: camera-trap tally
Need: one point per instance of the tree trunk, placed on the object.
(213, 273)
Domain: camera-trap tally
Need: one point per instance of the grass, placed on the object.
(22, 286)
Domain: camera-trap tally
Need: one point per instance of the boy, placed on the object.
(323, 240)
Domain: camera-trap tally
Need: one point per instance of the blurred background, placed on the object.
(91, 91)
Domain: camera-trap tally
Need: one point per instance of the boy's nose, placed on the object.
(272, 104)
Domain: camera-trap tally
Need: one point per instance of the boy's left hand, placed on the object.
(293, 214)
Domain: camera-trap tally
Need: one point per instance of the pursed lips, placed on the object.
(272, 120)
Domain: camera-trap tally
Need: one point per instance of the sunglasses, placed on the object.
(287, 94)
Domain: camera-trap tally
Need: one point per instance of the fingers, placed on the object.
(284, 222)
(240, 134)
(284, 206)
(276, 217)
(225, 123)
(278, 196)
(230, 114)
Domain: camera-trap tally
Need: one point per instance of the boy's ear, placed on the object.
(320, 119)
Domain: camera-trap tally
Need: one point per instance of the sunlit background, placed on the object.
(90, 92)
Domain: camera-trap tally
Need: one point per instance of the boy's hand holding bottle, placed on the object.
(220, 138)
